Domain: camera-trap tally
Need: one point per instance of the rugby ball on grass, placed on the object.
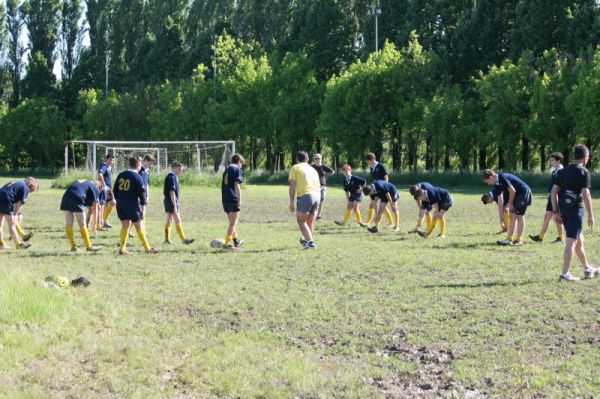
(217, 243)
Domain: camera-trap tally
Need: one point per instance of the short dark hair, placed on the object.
(370, 157)
(487, 198)
(413, 189)
(557, 156)
(418, 193)
(109, 156)
(488, 173)
(149, 158)
(367, 190)
(302, 156)
(176, 164)
(580, 151)
(237, 158)
(133, 161)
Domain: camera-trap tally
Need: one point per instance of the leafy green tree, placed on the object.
(71, 37)
(15, 24)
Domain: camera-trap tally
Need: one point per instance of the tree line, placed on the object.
(455, 85)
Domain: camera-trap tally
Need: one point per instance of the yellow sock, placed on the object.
(142, 236)
(509, 238)
(107, 211)
(85, 234)
(70, 236)
(123, 239)
(542, 235)
(428, 219)
(20, 231)
(228, 239)
(234, 235)
(519, 238)
(396, 218)
(180, 232)
(431, 226)
(168, 231)
(18, 244)
(388, 215)
(507, 220)
(358, 216)
(562, 236)
(370, 215)
(442, 227)
(347, 216)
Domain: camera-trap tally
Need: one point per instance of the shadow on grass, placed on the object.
(219, 251)
(482, 285)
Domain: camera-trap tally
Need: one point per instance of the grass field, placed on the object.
(365, 316)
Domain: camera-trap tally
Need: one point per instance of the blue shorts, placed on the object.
(169, 205)
(426, 205)
(6, 204)
(395, 198)
(573, 221)
(444, 206)
(70, 204)
(356, 197)
(521, 202)
(229, 207)
(129, 211)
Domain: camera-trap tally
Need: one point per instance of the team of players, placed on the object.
(569, 193)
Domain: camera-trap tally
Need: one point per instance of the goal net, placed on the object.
(199, 156)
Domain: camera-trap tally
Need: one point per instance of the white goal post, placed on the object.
(201, 156)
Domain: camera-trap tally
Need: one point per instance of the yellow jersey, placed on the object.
(307, 179)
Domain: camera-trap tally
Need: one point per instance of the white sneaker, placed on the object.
(567, 277)
(592, 272)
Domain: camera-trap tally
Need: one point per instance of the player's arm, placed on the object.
(173, 198)
(554, 201)
(17, 207)
(292, 193)
(511, 198)
(587, 201)
(327, 170)
(93, 217)
(238, 192)
(389, 197)
(500, 202)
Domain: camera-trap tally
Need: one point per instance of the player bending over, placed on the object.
(556, 161)
(13, 196)
(171, 201)
(519, 198)
(442, 201)
(501, 200)
(231, 196)
(424, 207)
(130, 193)
(378, 172)
(386, 193)
(78, 196)
(353, 186)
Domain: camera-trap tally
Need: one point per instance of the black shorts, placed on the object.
(573, 221)
(106, 195)
(70, 204)
(373, 197)
(356, 197)
(521, 202)
(444, 206)
(426, 205)
(229, 207)
(549, 204)
(169, 206)
(129, 211)
(6, 205)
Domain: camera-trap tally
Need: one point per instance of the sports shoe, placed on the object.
(396, 229)
(303, 241)
(516, 243)
(558, 240)
(504, 242)
(27, 237)
(422, 234)
(80, 281)
(24, 245)
(189, 241)
(94, 248)
(309, 245)
(339, 223)
(415, 230)
(123, 252)
(567, 277)
(363, 225)
(153, 250)
(237, 242)
(536, 238)
(373, 229)
(169, 242)
(319, 218)
(107, 225)
(441, 237)
(74, 249)
(590, 273)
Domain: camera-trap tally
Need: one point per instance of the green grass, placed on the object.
(386, 315)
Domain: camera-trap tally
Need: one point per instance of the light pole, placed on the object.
(376, 12)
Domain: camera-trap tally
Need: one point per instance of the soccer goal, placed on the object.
(201, 156)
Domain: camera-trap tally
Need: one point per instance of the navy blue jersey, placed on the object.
(145, 173)
(129, 188)
(378, 171)
(16, 191)
(506, 180)
(171, 184)
(353, 184)
(497, 191)
(231, 175)
(84, 192)
(437, 195)
(425, 186)
(383, 187)
(573, 178)
(106, 172)
(553, 179)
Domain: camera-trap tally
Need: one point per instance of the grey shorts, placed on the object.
(323, 193)
(308, 203)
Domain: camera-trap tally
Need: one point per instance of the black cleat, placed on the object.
(536, 238)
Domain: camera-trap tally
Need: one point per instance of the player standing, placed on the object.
(323, 172)
(305, 187)
(107, 200)
(556, 161)
(353, 186)
(231, 197)
(171, 202)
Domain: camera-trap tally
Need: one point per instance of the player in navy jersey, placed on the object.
(569, 195)
(353, 186)
(107, 200)
(519, 198)
(386, 192)
(378, 172)
(13, 195)
(556, 161)
(441, 200)
(423, 206)
(171, 202)
(231, 197)
(147, 163)
(130, 194)
(78, 196)
(500, 197)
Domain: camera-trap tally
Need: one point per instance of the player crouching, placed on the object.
(353, 186)
(424, 207)
(13, 196)
(387, 193)
(171, 201)
(78, 196)
(130, 193)
(442, 201)
(231, 196)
